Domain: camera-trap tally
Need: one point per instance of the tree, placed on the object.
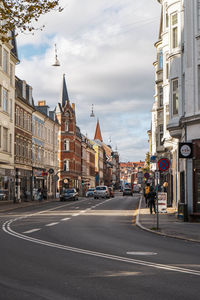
(20, 14)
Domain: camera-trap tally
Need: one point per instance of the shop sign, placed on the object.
(162, 202)
(37, 173)
(185, 150)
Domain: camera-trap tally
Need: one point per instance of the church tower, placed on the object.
(69, 137)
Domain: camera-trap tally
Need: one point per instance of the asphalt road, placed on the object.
(91, 249)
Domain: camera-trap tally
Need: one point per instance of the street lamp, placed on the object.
(92, 115)
(57, 63)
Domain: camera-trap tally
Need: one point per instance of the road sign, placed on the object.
(153, 159)
(146, 175)
(51, 171)
(163, 164)
(157, 175)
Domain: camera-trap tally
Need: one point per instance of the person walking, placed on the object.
(146, 192)
(151, 200)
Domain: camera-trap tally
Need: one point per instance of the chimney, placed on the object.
(42, 103)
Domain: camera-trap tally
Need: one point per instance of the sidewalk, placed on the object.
(169, 225)
(9, 205)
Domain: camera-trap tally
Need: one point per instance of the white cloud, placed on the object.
(106, 51)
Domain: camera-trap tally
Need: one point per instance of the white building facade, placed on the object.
(176, 110)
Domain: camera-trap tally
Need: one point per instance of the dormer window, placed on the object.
(24, 89)
(30, 95)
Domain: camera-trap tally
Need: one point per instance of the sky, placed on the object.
(106, 51)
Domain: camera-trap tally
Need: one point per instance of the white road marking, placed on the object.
(75, 215)
(6, 228)
(65, 219)
(141, 253)
(52, 224)
(32, 230)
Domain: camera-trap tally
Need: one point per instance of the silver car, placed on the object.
(101, 191)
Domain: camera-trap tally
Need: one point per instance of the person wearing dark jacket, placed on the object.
(151, 200)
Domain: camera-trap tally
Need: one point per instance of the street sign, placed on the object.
(163, 164)
(56, 177)
(51, 171)
(153, 159)
(185, 150)
(157, 175)
(146, 175)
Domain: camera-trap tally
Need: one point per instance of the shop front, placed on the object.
(23, 184)
(7, 184)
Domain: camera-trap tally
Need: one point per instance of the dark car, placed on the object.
(111, 191)
(90, 192)
(3, 195)
(69, 194)
(127, 192)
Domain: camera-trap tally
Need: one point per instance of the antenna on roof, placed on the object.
(57, 63)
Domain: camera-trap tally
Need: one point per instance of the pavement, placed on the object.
(10, 205)
(168, 223)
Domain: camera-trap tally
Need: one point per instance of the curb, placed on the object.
(158, 232)
(12, 206)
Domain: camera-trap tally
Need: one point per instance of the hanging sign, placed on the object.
(185, 150)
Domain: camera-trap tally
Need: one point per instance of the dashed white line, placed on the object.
(65, 219)
(141, 253)
(32, 230)
(52, 224)
(75, 215)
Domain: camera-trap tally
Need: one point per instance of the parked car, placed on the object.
(90, 192)
(136, 188)
(3, 195)
(101, 192)
(111, 191)
(127, 191)
(69, 194)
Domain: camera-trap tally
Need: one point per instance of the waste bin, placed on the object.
(183, 212)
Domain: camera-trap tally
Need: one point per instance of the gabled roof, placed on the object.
(64, 94)
(97, 135)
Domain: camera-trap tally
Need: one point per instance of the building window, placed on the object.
(30, 95)
(5, 139)
(198, 15)
(166, 18)
(160, 59)
(10, 146)
(11, 109)
(66, 145)
(66, 165)
(167, 70)
(161, 134)
(5, 100)
(175, 30)
(24, 89)
(175, 96)
(67, 126)
(11, 74)
(5, 61)
(160, 95)
(21, 118)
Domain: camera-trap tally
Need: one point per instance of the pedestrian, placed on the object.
(146, 192)
(40, 195)
(151, 197)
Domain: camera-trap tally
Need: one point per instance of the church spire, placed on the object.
(64, 94)
(97, 135)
